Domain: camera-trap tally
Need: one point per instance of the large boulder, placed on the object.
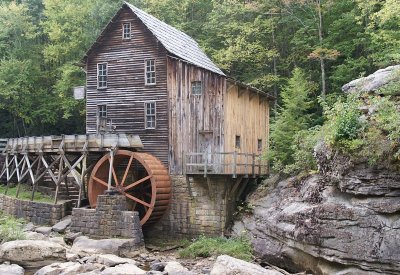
(11, 269)
(32, 254)
(62, 225)
(123, 269)
(120, 247)
(68, 268)
(226, 265)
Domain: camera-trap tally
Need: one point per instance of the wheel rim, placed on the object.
(140, 177)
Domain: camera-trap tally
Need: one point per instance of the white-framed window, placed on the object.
(150, 71)
(197, 87)
(102, 111)
(102, 75)
(126, 31)
(150, 115)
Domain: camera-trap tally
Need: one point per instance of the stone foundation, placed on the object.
(36, 212)
(199, 206)
(110, 219)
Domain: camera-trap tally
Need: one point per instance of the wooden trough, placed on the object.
(112, 161)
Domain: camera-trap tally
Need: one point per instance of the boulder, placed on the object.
(123, 269)
(36, 236)
(68, 268)
(120, 247)
(43, 230)
(11, 269)
(59, 240)
(32, 253)
(61, 226)
(111, 260)
(29, 227)
(226, 265)
(175, 268)
(70, 237)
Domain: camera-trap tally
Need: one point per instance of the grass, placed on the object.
(165, 242)
(205, 247)
(11, 228)
(25, 194)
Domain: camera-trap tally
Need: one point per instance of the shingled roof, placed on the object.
(175, 41)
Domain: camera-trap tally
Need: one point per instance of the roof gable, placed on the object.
(174, 41)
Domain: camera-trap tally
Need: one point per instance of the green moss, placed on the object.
(205, 247)
(25, 194)
(11, 228)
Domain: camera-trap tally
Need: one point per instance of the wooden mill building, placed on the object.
(147, 78)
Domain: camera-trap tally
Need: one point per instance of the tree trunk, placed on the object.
(321, 39)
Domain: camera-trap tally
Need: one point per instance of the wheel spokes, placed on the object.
(137, 183)
(127, 170)
(138, 200)
(100, 181)
(113, 172)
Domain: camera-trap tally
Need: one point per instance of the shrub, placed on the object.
(11, 228)
(205, 247)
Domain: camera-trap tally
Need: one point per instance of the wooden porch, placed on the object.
(226, 163)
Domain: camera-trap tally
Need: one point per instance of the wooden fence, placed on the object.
(226, 163)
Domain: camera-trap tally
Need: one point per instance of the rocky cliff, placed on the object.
(343, 220)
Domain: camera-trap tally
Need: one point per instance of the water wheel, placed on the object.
(141, 177)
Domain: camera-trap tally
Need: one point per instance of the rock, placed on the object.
(29, 227)
(59, 240)
(11, 269)
(120, 247)
(70, 237)
(372, 82)
(43, 230)
(61, 226)
(226, 265)
(154, 272)
(122, 269)
(32, 253)
(68, 268)
(111, 260)
(71, 257)
(36, 236)
(158, 266)
(175, 268)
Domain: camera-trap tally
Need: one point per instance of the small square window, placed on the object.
(126, 31)
(150, 72)
(259, 145)
(102, 111)
(237, 142)
(102, 75)
(150, 115)
(197, 87)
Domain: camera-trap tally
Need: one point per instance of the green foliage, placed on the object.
(205, 247)
(291, 119)
(25, 194)
(11, 228)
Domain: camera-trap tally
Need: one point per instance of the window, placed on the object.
(237, 142)
(150, 115)
(150, 72)
(197, 87)
(102, 75)
(259, 145)
(102, 110)
(126, 31)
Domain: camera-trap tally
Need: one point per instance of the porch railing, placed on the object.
(226, 163)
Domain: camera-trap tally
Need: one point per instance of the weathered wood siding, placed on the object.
(246, 115)
(196, 121)
(126, 91)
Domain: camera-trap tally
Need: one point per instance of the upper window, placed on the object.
(197, 87)
(259, 145)
(102, 110)
(150, 115)
(237, 142)
(126, 31)
(102, 75)
(150, 71)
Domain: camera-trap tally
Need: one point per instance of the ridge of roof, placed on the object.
(175, 41)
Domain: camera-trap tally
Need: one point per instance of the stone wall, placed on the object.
(36, 212)
(109, 219)
(199, 206)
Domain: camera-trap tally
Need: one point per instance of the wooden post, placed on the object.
(56, 195)
(259, 165)
(33, 191)
(110, 170)
(234, 164)
(253, 163)
(205, 164)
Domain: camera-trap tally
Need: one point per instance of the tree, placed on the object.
(292, 118)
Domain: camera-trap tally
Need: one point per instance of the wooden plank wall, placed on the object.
(193, 118)
(126, 92)
(246, 115)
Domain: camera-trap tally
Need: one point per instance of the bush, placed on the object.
(11, 228)
(205, 247)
